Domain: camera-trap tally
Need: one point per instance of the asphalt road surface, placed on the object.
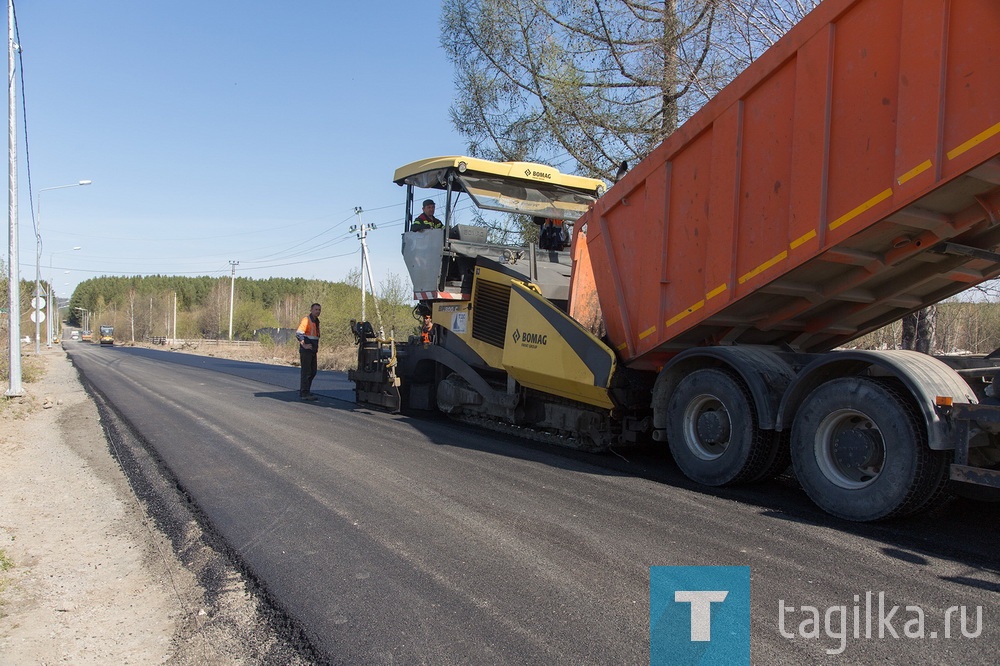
(393, 539)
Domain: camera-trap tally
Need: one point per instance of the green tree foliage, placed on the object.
(142, 307)
(592, 83)
(601, 80)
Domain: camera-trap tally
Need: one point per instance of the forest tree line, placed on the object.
(142, 307)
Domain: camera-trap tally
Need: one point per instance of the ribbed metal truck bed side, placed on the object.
(846, 178)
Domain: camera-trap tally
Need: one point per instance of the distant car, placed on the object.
(74, 335)
(86, 337)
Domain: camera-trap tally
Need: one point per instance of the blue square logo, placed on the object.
(699, 615)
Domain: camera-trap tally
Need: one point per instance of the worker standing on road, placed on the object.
(308, 335)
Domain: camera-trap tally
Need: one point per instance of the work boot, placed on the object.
(311, 397)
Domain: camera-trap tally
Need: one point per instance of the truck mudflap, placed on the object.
(965, 418)
(975, 475)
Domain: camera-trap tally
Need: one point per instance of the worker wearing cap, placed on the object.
(426, 219)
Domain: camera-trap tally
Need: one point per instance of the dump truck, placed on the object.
(107, 335)
(847, 178)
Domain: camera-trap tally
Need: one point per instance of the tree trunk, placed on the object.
(671, 67)
(918, 330)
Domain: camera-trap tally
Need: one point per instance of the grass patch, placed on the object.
(18, 407)
(6, 564)
(32, 369)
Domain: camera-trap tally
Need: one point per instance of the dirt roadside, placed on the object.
(87, 576)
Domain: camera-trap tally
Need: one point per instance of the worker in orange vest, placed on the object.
(308, 336)
(425, 329)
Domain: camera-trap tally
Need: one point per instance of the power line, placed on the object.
(220, 271)
(24, 120)
(306, 240)
(275, 259)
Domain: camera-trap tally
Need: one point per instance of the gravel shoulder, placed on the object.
(94, 570)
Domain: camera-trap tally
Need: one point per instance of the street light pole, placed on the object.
(38, 260)
(14, 280)
(86, 318)
(53, 310)
(232, 293)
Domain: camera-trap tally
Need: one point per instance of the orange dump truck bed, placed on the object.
(846, 178)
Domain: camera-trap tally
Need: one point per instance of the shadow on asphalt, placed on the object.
(957, 529)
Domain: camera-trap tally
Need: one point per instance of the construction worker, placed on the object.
(308, 336)
(426, 219)
(552, 235)
(426, 329)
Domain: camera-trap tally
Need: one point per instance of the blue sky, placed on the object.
(218, 130)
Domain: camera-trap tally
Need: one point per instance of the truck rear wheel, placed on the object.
(860, 451)
(712, 430)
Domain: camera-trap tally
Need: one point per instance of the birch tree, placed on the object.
(590, 83)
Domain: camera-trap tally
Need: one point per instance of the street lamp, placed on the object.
(38, 262)
(52, 300)
(86, 318)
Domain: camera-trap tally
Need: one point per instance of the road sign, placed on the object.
(39, 314)
(38, 303)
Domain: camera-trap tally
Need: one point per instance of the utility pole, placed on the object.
(366, 267)
(39, 304)
(14, 281)
(86, 318)
(232, 293)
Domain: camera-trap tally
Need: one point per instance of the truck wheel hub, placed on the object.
(713, 427)
(856, 449)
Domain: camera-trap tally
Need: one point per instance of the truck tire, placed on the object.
(860, 451)
(712, 430)
(780, 460)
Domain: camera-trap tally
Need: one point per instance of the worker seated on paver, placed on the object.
(426, 219)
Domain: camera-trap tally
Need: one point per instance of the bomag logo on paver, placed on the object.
(537, 174)
(532, 340)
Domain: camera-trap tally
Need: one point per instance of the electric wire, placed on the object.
(24, 114)
(221, 271)
(306, 240)
(24, 121)
(275, 259)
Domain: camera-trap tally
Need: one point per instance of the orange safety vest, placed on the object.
(309, 328)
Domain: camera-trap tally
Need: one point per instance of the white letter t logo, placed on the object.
(701, 610)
